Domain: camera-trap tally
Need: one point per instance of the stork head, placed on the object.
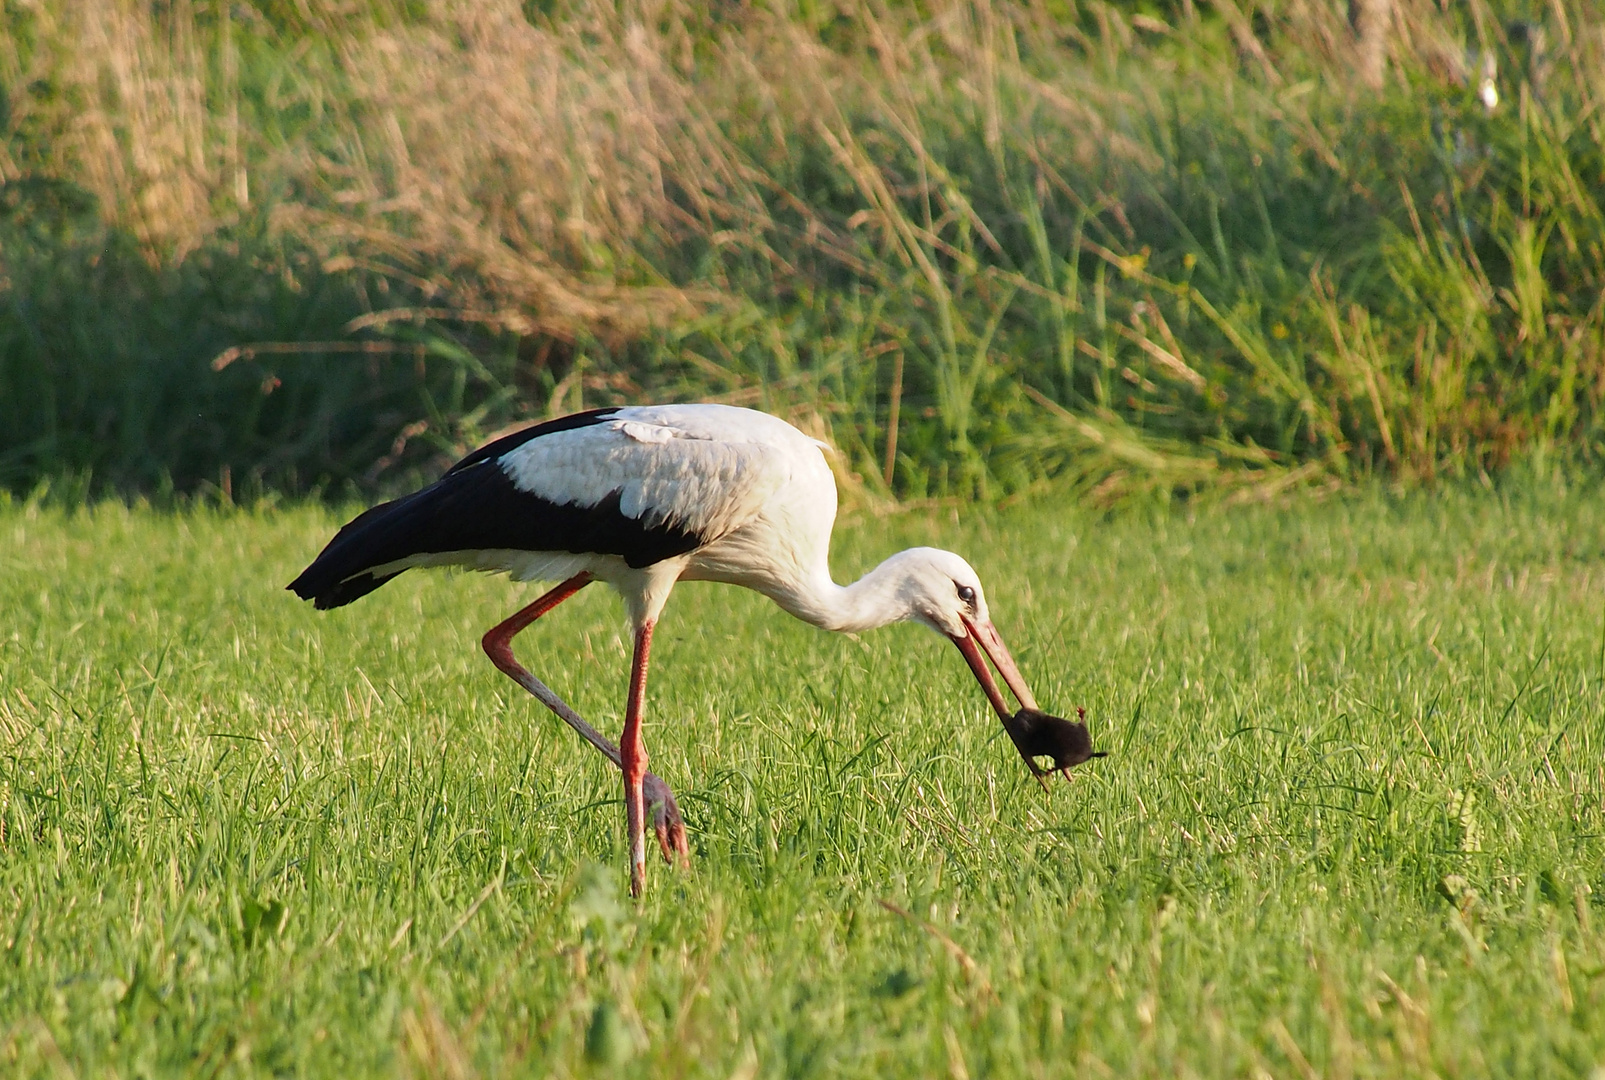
(943, 592)
(939, 589)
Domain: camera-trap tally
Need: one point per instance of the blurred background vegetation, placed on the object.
(1214, 248)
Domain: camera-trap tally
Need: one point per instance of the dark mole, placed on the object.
(1066, 742)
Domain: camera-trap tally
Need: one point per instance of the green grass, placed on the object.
(1352, 822)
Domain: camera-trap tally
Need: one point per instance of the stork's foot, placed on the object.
(664, 813)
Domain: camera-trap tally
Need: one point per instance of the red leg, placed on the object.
(498, 640)
(633, 750)
(498, 644)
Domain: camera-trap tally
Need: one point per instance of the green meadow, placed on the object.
(1351, 824)
(1240, 345)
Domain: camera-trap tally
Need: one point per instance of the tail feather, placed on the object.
(344, 570)
(474, 506)
(461, 512)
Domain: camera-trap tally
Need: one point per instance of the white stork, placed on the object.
(642, 498)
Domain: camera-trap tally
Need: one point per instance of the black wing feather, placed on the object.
(476, 507)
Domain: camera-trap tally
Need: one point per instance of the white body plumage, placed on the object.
(758, 489)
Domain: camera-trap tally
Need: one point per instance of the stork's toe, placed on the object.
(666, 821)
(672, 842)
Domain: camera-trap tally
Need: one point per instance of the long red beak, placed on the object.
(982, 635)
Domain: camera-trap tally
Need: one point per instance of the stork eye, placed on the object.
(967, 595)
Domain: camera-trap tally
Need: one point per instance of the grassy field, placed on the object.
(1352, 822)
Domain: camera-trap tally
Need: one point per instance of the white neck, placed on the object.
(877, 599)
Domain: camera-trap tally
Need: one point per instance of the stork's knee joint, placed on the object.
(634, 765)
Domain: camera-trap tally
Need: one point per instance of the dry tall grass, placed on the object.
(519, 171)
(1257, 247)
(123, 103)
